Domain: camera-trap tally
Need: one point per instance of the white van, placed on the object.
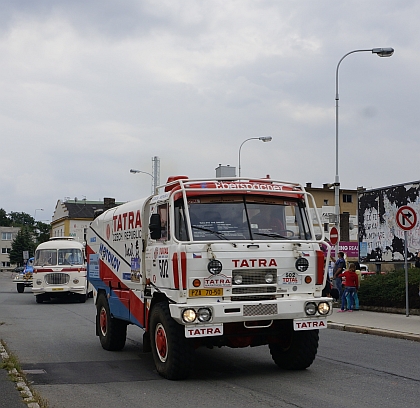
(60, 270)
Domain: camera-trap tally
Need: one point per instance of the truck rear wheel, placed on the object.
(20, 287)
(300, 351)
(172, 353)
(112, 332)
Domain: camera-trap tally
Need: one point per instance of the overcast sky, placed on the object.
(92, 88)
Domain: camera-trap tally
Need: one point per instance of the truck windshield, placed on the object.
(242, 218)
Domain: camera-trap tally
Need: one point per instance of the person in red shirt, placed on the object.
(352, 283)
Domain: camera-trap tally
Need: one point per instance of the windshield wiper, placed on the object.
(217, 233)
(271, 235)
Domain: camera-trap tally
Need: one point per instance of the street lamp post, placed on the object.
(145, 172)
(38, 209)
(262, 138)
(381, 52)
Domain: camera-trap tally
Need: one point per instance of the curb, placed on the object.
(21, 385)
(371, 330)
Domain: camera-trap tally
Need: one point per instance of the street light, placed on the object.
(145, 172)
(380, 52)
(262, 138)
(38, 209)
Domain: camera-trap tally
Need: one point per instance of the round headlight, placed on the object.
(204, 314)
(237, 279)
(39, 282)
(214, 267)
(189, 315)
(310, 308)
(324, 308)
(75, 281)
(269, 278)
(301, 264)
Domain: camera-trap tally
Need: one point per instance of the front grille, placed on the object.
(254, 285)
(260, 310)
(57, 278)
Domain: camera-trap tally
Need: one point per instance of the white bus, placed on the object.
(60, 270)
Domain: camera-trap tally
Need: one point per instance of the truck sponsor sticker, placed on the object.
(310, 324)
(217, 281)
(109, 257)
(204, 331)
(290, 278)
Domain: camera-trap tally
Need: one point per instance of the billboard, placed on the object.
(381, 240)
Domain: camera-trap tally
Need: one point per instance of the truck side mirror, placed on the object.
(155, 226)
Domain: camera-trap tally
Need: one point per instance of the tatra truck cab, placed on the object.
(60, 270)
(211, 262)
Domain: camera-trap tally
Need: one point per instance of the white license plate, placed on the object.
(310, 324)
(290, 278)
(203, 330)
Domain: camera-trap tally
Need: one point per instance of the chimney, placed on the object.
(109, 203)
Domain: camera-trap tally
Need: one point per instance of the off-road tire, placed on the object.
(173, 354)
(20, 287)
(300, 351)
(112, 332)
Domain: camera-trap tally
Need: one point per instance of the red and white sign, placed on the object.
(333, 235)
(406, 218)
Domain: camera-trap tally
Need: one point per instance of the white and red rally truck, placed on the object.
(60, 270)
(211, 262)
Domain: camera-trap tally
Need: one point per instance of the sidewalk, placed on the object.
(381, 324)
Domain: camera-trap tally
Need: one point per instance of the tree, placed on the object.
(20, 219)
(4, 219)
(22, 242)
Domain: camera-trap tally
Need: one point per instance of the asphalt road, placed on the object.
(58, 341)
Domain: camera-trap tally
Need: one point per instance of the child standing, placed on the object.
(352, 283)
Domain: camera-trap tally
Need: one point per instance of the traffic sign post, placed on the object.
(334, 236)
(406, 219)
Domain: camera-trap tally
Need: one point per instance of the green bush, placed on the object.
(389, 290)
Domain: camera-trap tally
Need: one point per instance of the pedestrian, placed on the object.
(356, 296)
(326, 292)
(352, 282)
(339, 267)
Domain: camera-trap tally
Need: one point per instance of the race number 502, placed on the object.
(163, 268)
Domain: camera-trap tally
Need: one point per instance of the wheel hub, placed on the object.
(103, 321)
(161, 342)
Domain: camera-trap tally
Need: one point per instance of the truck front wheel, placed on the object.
(298, 352)
(20, 287)
(112, 332)
(173, 354)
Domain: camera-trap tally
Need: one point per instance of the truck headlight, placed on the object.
(214, 267)
(39, 282)
(189, 315)
(204, 314)
(324, 308)
(310, 308)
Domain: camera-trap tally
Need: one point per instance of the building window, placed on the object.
(326, 227)
(5, 264)
(326, 202)
(6, 236)
(347, 198)
(5, 250)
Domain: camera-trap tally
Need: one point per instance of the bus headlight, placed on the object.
(75, 281)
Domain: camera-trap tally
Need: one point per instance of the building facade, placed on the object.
(71, 218)
(7, 235)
